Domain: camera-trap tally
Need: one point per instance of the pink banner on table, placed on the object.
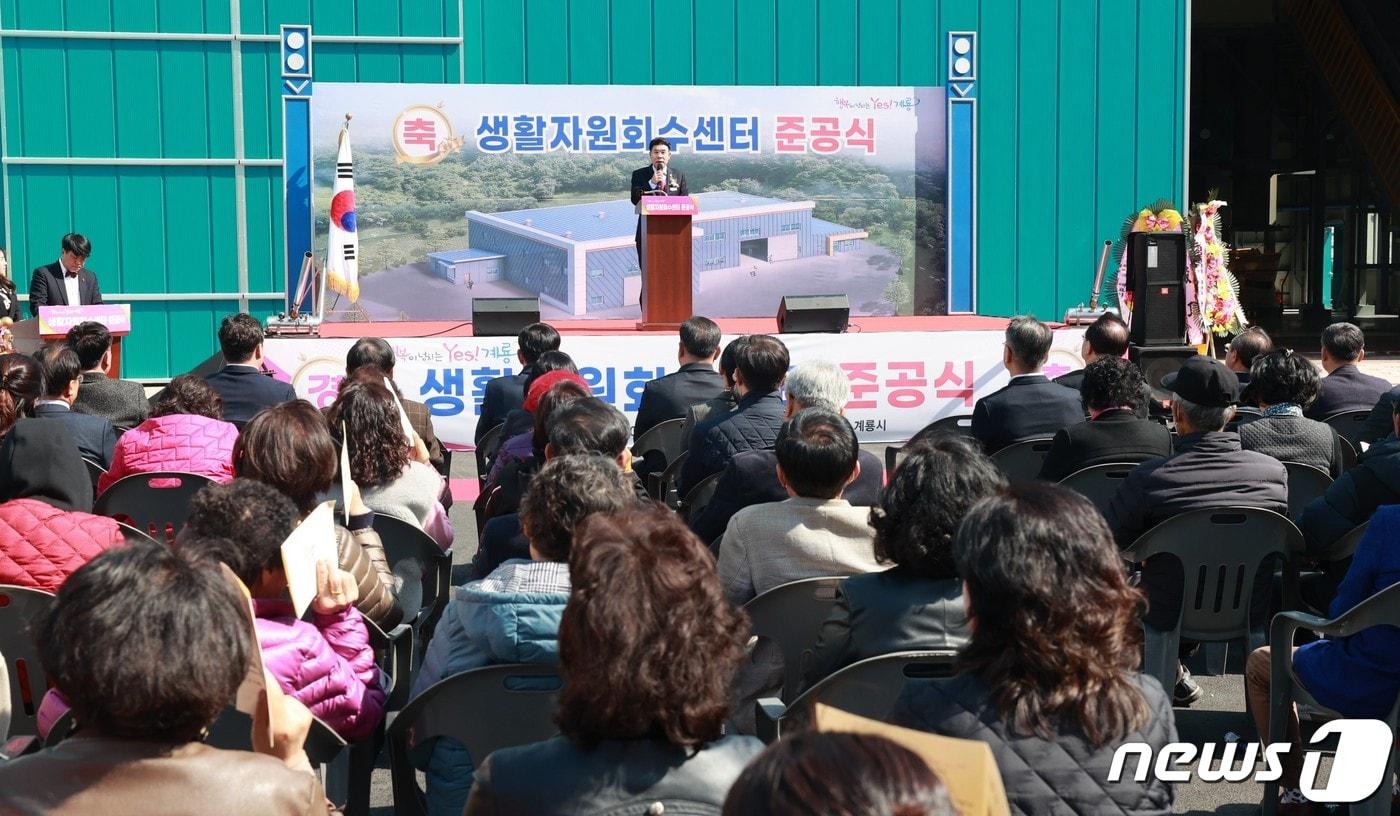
(59, 319)
(668, 205)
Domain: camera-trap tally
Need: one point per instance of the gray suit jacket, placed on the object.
(120, 402)
(767, 545)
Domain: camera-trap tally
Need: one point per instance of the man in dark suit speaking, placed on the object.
(656, 178)
(65, 282)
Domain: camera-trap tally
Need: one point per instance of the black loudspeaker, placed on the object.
(503, 317)
(1157, 278)
(1157, 362)
(813, 313)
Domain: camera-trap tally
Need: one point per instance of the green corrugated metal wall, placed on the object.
(1081, 118)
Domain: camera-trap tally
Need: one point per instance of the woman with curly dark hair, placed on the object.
(1284, 385)
(185, 433)
(390, 467)
(1050, 678)
(648, 647)
(289, 447)
(1112, 391)
(917, 604)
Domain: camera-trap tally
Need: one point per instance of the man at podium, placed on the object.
(656, 178)
(65, 282)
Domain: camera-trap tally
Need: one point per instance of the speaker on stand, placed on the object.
(1157, 278)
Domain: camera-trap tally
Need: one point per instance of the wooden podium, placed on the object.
(54, 322)
(666, 260)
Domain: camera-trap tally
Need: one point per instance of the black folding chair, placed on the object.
(1099, 483)
(791, 616)
(425, 573)
(21, 608)
(1349, 424)
(158, 503)
(662, 439)
(699, 497)
(486, 450)
(1305, 483)
(1021, 461)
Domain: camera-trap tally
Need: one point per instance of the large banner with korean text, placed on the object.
(900, 381)
(467, 191)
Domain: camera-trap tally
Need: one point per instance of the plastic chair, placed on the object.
(1331, 572)
(158, 503)
(1382, 608)
(960, 423)
(699, 497)
(486, 450)
(1305, 483)
(1220, 550)
(1349, 424)
(233, 731)
(1243, 415)
(867, 688)
(1021, 461)
(425, 570)
(20, 609)
(666, 482)
(4, 698)
(133, 535)
(663, 438)
(1098, 483)
(791, 616)
(95, 472)
(485, 709)
(1349, 454)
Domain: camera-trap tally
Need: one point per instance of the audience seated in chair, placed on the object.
(647, 647)
(391, 470)
(45, 530)
(578, 427)
(520, 456)
(242, 382)
(1345, 388)
(375, 352)
(148, 648)
(1356, 676)
(325, 661)
(751, 477)
(185, 434)
(813, 533)
(725, 402)
(761, 366)
(838, 773)
(1115, 433)
(916, 604)
(504, 394)
(512, 615)
(1240, 354)
(1208, 469)
(1107, 336)
(521, 418)
(1030, 406)
(1051, 676)
(1284, 384)
(1353, 497)
(120, 402)
(94, 436)
(696, 381)
(21, 385)
(290, 448)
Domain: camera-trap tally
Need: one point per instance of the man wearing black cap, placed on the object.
(1208, 469)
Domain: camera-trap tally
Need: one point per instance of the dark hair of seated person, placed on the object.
(535, 339)
(61, 368)
(567, 490)
(549, 361)
(1282, 376)
(242, 523)
(1036, 559)
(189, 394)
(729, 359)
(762, 362)
(145, 644)
(940, 478)
(648, 644)
(837, 774)
(588, 426)
(558, 395)
(1111, 382)
(379, 451)
(370, 352)
(817, 452)
(21, 383)
(289, 447)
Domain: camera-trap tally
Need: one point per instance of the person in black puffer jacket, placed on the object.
(760, 369)
(1050, 678)
(1284, 384)
(1352, 499)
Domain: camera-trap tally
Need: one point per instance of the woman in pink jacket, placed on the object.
(186, 434)
(326, 663)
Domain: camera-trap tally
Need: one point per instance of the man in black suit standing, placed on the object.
(1030, 406)
(93, 435)
(65, 282)
(243, 383)
(504, 394)
(656, 178)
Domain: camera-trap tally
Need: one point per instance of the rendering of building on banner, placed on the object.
(581, 257)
